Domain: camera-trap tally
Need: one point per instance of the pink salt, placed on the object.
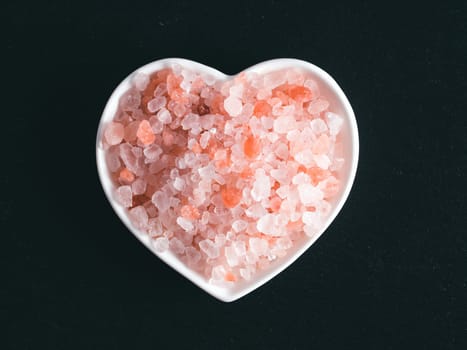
(228, 175)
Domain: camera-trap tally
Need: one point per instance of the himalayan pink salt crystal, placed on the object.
(269, 225)
(284, 243)
(283, 124)
(191, 121)
(220, 240)
(130, 101)
(130, 131)
(154, 227)
(126, 176)
(156, 103)
(114, 133)
(160, 200)
(245, 274)
(139, 217)
(209, 248)
(305, 158)
(231, 256)
(185, 224)
(124, 196)
(160, 90)
(113, 160)
(239, 247)
(330, 187)
(258, 246)
(318, 126)
(233, 106)
(261, 187)
(138, 186)
(164, 116)
(153, 152)
(321, 145)
(140, 81)
(317, 106)
(322, 161)
(309, 194)
(179, 184)
(218, 273)
(193, 256)
(145, 133)
(239, 225)
(335, 123)
(176, 246)
(160, 244)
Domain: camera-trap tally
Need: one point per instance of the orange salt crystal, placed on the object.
(189, 212)
(317, 174)
(217, 105)
(230, 277)
(275, 204)
(145, 133)
(173, 83)
(126, 176)
(251, 147)
(246, 173)
(196, 148)
(294, 225)
(299, 93)
(231, 196)
(262, 108)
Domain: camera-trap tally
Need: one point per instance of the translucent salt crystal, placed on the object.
(154, 227)
(231, 256)
(305, 158)
(240, 247)
(317, 106)
(153, 152)
(258, 246)
(294, 77)
(185, 224)
(138, 114)
(209, 248)
(284, 124)
(204, 139)
(160, 90)
(236, 90)
(246, 274)
(124, 196)
(309, 217)
(300, 179)
(284, 243)
(309, 194)
(283, 191)
(220, 240)
(164, 116)
(160, 244)
(130, 100)
(239, 225)
(268, 225)
(274, 79)
(335, 123)
(255, 211)
(267, 122)
(322, 161)
(140, 80)
(281, 175)
(218, 273)
(113, 161)
(177, 246)
(193, 256)
(318, 126)
(282, 151)
(114, 133)
(160, 200)
(156, 103)
(137, 151)
(139, 217)
(261, 187)
(190, 121)
(310, 231)
(233, 106)
(179, 184)
(138, 186)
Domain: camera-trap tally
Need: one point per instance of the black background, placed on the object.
(390, 272)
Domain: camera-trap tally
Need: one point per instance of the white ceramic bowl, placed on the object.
(349, 134)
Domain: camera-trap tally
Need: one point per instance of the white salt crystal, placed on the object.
(204, 139)
(191, 121)
(153, 152)
(233, 106)
(269, 225)
(185, 224)
(246, 274)
(309, 194)
(261, 187)
(179, 184)
(156, 103)
(282, 151)
(124, 196)
(239, 225)
(284, 243)
(138, 186)
(161, 200)
(177, 246)
(240, 248)
(322, 161)
(284, 124)
(318, 126)
(300, 179)
(305, 158)
(335, 123)
(209, 248)
(140, 80)
(283, 191)
(155, 227)
(139, 217)
(281, 175)
(231, 256)
(164, 116)
(160, 244)
(258, 246)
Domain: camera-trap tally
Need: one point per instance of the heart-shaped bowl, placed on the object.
(349, 136)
